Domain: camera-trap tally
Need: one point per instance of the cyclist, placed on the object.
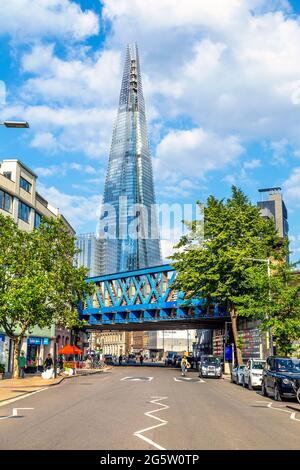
(184, 364)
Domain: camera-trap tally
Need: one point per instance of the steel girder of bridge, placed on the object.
(144, 299)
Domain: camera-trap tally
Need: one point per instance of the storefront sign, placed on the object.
(38, 341)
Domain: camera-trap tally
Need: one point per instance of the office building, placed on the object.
(20, 200)
(91, 253)
(273, 207)
(128, 219)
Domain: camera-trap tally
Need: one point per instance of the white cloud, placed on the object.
(32, 19)
(69, 129)
(63, 168)
(295, 245)
(232, 73)
(192, 153)
(88, 80)
(230, 76)
(252, 164)
(45, 140)
(78, 210)
(291, 188)
(169, 14)
(280, 150)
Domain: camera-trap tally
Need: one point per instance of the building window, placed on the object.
(5, 201)
(7, 174)
(25, 184)
(37, 220)
(24, 212)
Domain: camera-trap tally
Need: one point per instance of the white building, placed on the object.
(163, 341)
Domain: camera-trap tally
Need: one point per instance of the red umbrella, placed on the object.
(68, 350)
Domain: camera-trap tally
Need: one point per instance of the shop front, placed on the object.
(36, 353)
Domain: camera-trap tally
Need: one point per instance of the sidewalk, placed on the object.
(13, 388)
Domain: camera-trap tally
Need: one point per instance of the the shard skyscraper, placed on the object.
(128, 210)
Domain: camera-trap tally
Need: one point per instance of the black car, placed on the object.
(281, 377)
(108, 359)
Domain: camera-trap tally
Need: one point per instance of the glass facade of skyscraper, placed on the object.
(128, 217)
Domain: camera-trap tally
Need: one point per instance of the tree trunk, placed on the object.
(16, 349)
(233, 316)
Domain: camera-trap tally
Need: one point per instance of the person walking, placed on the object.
(120, 359)
(141, 359)
(48, 362)
(22, 364)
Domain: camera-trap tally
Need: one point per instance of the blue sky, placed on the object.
(222, 87)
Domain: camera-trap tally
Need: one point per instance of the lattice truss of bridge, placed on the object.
(143, 300)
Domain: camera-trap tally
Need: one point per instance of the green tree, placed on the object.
(276, 302)
(213, 265)
(39, 284)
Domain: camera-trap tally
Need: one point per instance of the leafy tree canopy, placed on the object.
(216, 264)
(39, 284)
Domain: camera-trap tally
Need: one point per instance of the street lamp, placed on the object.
(267, 261)
(15, 124)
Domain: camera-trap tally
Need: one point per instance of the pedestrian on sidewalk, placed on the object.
(141, 359)
(48, 362)
(120, 359)
(60, 362)
(22, 364)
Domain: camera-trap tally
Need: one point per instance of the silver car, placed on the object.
(237, 374)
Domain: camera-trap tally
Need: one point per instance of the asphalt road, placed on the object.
(104, 411)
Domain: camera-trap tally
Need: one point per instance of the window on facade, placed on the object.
(37, 220)
(7, 174)
(5, 201)
(24, 212)
(25, 184)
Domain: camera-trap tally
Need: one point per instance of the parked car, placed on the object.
(210, 366)
(252, 374)
(237, 374)
(131, 359)
(281, 377)
(169, 361)
(108, 359)
(178, 361)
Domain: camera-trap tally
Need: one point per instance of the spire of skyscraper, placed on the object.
(129, 188)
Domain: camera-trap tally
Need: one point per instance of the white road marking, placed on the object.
(183, 379)
(270, 406)
(15, 412)
(293, 417)
(138, 379)
(11, 400)
(162, 422)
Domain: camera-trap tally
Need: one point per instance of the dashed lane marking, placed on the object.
(162, 422)
(137, 379)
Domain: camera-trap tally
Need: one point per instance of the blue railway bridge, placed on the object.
(144, 299)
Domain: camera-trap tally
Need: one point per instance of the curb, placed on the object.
(28, 393)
